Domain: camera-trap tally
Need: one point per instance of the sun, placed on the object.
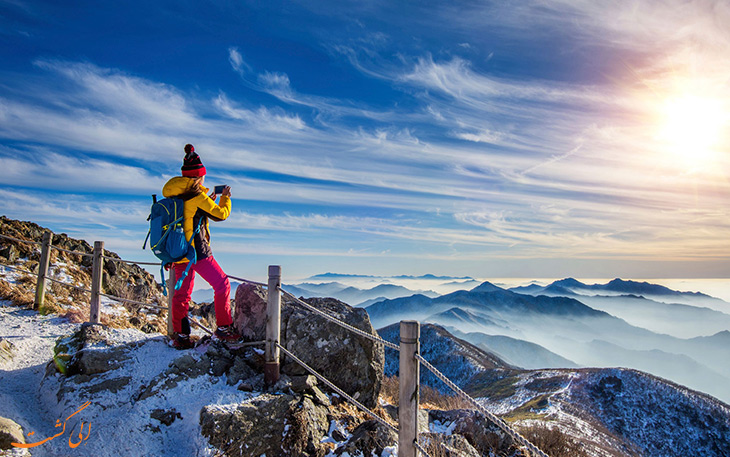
(693, 128)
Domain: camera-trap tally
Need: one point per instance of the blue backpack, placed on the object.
(167, 236)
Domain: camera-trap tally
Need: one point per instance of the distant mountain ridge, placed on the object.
(567, 328)
(617, 285)
(615, 412)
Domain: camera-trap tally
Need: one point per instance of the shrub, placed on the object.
(552, 441)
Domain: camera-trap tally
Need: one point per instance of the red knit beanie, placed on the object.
(192, 166)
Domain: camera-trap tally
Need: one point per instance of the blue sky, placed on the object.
(490, 139)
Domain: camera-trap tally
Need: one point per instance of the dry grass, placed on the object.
(552, 441)
(429, 398)
(17, 295)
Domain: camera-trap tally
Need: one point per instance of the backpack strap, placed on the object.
(179, 282)
(147, 238)
(164, 283)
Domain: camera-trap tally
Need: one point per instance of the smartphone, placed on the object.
(219, 189)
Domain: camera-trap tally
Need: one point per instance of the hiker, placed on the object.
(199, 208)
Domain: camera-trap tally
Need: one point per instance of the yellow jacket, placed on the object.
(196, 206)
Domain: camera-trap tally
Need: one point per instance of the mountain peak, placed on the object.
(486, 287)
(568, 282)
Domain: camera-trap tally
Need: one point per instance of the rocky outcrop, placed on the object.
(482, 435)
(319, 343)
(274, 425)
(10, 432)
(120, 279)
(369, 438)
(87, 352)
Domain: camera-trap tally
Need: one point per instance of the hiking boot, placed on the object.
(227, 333)
(181, 341)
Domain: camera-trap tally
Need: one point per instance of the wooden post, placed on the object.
(273, 326)
(170, 292)
(40, 288)
(97, 270)
(408, 386)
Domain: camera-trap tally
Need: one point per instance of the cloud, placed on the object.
(237, 62)
(263, 118)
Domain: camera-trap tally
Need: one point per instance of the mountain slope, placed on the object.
(611, 411)
(459, 360)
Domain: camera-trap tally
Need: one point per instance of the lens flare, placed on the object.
(692, 128)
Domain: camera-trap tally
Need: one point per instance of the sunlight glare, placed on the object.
(692, 128)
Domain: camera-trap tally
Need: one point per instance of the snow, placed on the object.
(111, 415)
(117, 424)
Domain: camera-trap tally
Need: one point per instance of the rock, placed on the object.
(481, 433)
(324, 346)
(275, 425)
(449, 445)
(300, 384)
(240, 371)
(166, 417)
(249, 315)
(318, 342)
(6, 350)
(10, 252)
(84, 352)
(369, 438)
(10, 432)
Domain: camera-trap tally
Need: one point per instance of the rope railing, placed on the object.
(19, 240)
(63, 283)
(492, 418)
(133, 302)
(247, 281)
(68, 251)
(19, 270)
(131, 262)
(407, 438)
(349, 327)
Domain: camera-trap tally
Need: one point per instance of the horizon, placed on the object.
(518, 140)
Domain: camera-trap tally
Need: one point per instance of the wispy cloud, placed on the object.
(451, 156)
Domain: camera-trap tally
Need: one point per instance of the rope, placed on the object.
(126, 300)
(131, 262)
(494, 419)
(18, 269)
(337, 389)
(82, 254)
(57, 281)
(249, 282)
(349, 327)
(199, 325)
(420, 448)
(19, 240)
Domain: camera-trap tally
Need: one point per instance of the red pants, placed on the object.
(209, 270)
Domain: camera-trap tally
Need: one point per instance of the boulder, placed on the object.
(10, 432)
(448, 445)
(369, 438)
(274, 425)
(250, 312)
(88, 352)
(482, 434)
(352, 362)
(10, 252)
(321, 344)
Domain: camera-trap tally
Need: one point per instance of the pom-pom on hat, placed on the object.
(192, 166)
